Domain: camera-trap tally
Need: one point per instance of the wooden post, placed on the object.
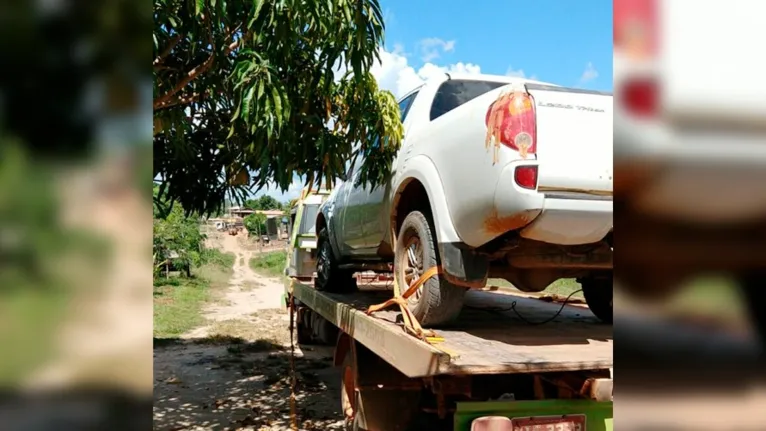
(260, 240)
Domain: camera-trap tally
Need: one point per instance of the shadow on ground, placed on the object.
(229, 383)
(75, 409)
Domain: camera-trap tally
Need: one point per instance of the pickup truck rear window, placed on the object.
(455, 92)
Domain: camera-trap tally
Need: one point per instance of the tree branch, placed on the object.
(190, 76)
(166, 52)
(232, 46)
(163, 101)
(180, 101)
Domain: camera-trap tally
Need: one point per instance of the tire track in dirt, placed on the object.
(248, 291)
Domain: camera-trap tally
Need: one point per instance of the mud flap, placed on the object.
(386, 399)
(463, 264)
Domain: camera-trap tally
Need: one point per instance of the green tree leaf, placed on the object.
(252, 84)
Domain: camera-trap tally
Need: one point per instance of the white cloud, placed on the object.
(519, 73)
(395, 74)
(589, 74)
(389, 18)
(431, 48)
(516, 73)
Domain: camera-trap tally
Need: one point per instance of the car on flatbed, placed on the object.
(497, 177)
(490, 371)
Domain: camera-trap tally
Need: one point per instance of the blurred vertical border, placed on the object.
(75, 215)
(689, 214)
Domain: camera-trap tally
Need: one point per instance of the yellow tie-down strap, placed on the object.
(437, 341)
(411, 324)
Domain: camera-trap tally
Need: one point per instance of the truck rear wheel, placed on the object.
(437, 301)
(599, 296)
(754, 296)
(303, 330)
(330, 278)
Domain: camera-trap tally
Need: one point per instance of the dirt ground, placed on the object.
(234, 372)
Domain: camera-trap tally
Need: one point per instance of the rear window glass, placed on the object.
(404, 105)
(456, 92)
(308, 219)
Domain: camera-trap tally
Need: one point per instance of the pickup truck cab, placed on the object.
(301, 249)
(497, 177)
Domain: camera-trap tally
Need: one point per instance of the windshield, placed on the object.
(308, 219)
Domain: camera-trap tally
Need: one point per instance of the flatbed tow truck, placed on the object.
(506, 364)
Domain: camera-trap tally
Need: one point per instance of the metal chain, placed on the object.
(293, 412)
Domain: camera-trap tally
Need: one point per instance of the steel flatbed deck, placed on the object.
(487, 338)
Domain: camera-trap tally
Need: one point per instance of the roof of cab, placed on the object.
(495, 78)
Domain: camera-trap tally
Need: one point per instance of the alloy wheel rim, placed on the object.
(412, 267)
(323, 264)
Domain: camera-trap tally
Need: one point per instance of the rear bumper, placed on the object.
(514, 206)
(571, 222)
(556, 220)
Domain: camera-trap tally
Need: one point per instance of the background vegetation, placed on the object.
(248, 93)
(269, 264)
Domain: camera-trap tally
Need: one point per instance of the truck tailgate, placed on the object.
(574, 139)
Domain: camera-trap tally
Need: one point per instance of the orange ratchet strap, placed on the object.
(411, 324)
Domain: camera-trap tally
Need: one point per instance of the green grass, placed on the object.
(178, 301)
(563, 287)
(708, 295)
(177, 306)
(216, 258)
(703, 295)
(28, 323)
(269, 264)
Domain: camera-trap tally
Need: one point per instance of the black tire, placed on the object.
(349, 399)
(599, 296)
(439, 301)
(303, 331)
(330, 278)
(327, 332)
(352, 425)
(754, 296)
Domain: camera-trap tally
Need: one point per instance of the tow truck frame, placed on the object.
(491, 369)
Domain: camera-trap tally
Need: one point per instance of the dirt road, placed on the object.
(233, 373)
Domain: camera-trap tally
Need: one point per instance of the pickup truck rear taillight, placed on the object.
(635, 26)
(526, 177)
(511, 121)
(639, 97)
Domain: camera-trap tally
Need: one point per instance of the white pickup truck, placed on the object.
(497, 177)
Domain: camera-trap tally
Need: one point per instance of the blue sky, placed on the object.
(564, 42)
(552, 40)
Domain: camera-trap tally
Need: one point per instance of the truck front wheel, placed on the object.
(437, 301)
